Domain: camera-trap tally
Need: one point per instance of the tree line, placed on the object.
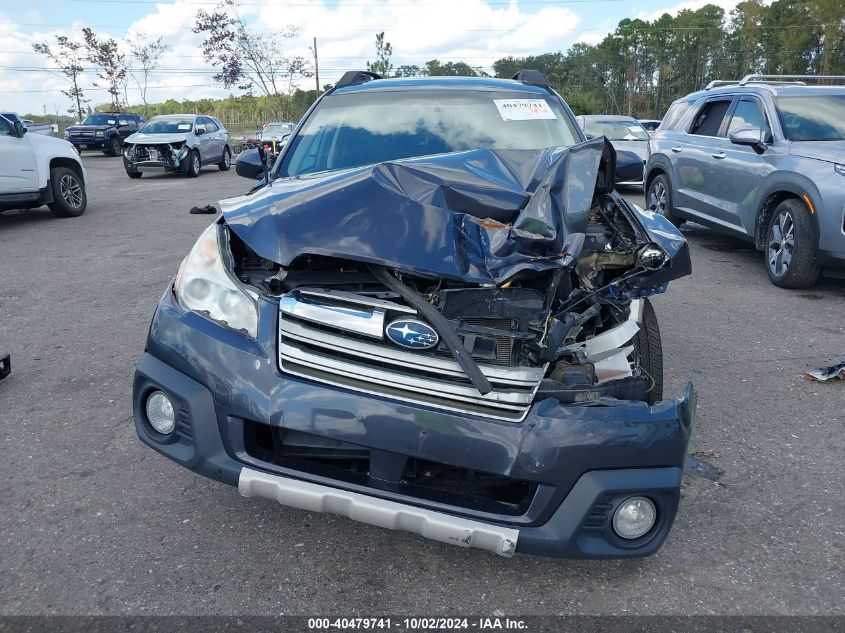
(637, 70)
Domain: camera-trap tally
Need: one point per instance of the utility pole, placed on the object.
(316, 67)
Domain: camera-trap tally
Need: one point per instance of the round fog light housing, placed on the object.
(634, 517)
(160, 412)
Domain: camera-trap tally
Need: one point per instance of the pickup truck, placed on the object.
(31, 126)
(104, 131)
(36, 169)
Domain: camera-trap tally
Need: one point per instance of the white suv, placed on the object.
(37, 170)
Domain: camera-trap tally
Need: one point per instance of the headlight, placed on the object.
(67, 135)
(206, 285)
(99, 133)
(840, 169)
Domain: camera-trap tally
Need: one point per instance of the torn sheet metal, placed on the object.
(826, 373)
(478, 216)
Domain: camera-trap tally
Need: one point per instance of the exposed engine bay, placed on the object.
(170, 156)
(551, 304)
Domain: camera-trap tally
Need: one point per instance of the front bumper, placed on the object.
(82, 144)
(579, 461)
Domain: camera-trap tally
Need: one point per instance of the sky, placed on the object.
(475, 31)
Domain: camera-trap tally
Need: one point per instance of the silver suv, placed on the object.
(762, 158)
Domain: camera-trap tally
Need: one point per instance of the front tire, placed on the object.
(194, 164)
(790, 253)
(658, 199)
(648, 351)
(226, 161)
(69, 198)
(114, 147)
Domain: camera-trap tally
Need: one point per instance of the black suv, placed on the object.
(104, 131)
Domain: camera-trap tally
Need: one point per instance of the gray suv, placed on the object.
(762, 158)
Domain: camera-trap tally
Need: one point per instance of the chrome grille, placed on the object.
(504, 344)
(330, 337)
(82, 135)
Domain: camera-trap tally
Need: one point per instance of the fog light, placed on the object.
(160, 412)
(634, 517)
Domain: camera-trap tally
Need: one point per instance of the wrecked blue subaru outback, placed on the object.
(430, 315)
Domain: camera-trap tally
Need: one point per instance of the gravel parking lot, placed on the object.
(93, 522)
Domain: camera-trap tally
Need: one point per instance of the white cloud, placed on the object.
(467, 30)
(474, 31)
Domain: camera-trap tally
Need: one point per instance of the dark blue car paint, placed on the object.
(478, 216)
(219, 379)
(583, 459)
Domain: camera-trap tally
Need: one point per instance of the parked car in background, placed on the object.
(104, 131)
(762, 158)
(629, 139)
(276, 132)
(274, 136)
(36, 169)
(405, 324)
(650, 124)
(31, 126)
(177, 143)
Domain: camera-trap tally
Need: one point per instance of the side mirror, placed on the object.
(200, 131)
(752, 137)
(20, 129)
(251, 163)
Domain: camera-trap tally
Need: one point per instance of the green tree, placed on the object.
(106, 55)
(68, 57)
(382, 65)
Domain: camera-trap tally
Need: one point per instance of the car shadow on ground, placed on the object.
(744, 253)
(19, 217)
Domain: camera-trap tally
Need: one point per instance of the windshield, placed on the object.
(99, 119)
(352, 130)
(168, 126)
(616, 130)
(813, 117)
(277, 128)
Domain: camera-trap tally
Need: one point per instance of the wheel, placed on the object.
(658, 199)
(790, 250)
(194, 164)
(648, 350)
(134, 174)
(69, 199)
(114, 147)
(226, 161)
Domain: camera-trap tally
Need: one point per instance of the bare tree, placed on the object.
(68, 57)
(105, 53)
(243, 57)
(145, 54)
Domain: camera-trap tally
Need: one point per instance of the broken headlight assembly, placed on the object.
(206, 285)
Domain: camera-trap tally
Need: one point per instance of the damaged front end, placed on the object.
(169, 157)
(458, 345)
(479, 282)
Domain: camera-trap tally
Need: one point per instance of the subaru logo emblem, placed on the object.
(412, 333)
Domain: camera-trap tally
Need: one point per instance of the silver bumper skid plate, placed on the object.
(380, 512)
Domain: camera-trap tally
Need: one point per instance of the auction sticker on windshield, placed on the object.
(524, 109)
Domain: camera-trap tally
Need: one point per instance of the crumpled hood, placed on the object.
(153, 139)
(478, 216)
(830, 151)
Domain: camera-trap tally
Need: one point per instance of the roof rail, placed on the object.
(721, 82)
(355, 77)
(799, 79)
(531, 77)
